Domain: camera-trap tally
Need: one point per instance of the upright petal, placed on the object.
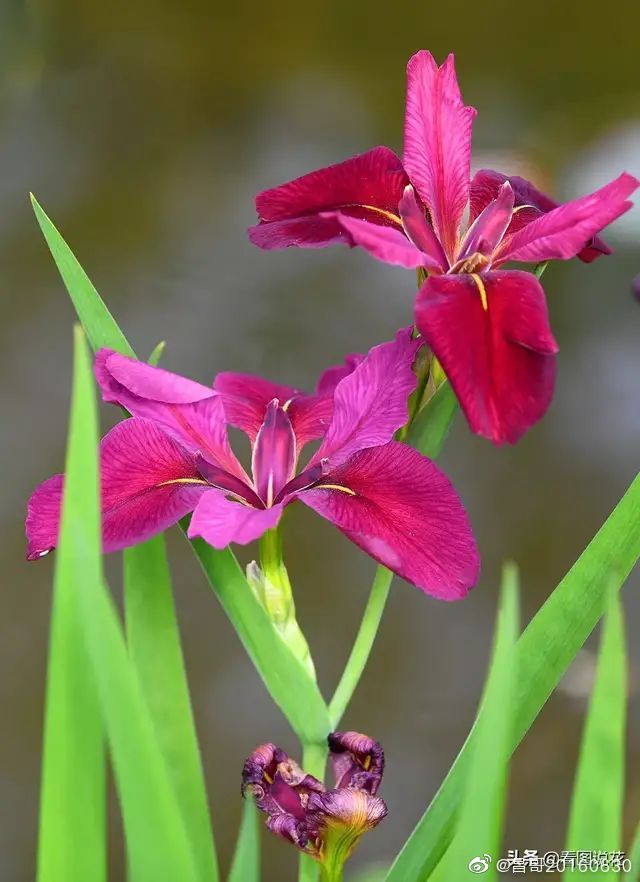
(402, 510)
(491, 335)
(330, 378)
(420, 231)
(437, 144)
(529, 203)
(370, 404)
(191, 413)
(565, 231)
(489, 227)
(368, 186)
(274, 457)
(148, 482)
(357, 760)
(246, 398)
(221, 521)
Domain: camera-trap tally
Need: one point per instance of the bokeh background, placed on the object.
(145, 129)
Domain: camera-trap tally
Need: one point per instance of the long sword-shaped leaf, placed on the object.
(544, 652)
(154, 646)
(595, 821)
(481, 816)
(633, 874)
(245, 866)
(430, 428)
(284, 675)
(72, 840)
(277, 666)
(157, 843)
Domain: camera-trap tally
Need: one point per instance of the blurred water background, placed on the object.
(145, 129)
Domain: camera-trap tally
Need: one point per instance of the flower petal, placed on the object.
(368, 186)
(330, 378)
(246, 398)
(357, 760)
(419, 230)
(273, 460)
(489, 227)
(370, 404)
(437, 144)
(148, 482)
(491, 334)
(402, 510)
(530, 203)
(221, 521)
(386, 244)
(565, 231)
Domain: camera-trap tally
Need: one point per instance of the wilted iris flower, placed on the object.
(325, 824)
(488, 326)
(173, 457)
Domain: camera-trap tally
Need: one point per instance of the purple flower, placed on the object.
(487, 326)
(173, 457)
(325, 824)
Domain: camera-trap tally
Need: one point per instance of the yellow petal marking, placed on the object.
(481, 289)
(335, 487)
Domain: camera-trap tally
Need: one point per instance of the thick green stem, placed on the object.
(274, 590)
(363, 644)
(329, 874)
(314, 760)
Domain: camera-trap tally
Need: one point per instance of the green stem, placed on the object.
(362, 646)
(276, 596)
(329, 874)
(314, 760)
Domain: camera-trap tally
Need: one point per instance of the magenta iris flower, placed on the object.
(173, 457)
(488, 326)
(301, 810)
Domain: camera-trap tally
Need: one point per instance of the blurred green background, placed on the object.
(145, 129)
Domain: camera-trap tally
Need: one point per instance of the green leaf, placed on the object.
(154, 646)
(72, 838)
(544, 652)
(98, 323)
(157, 843)
(156, 355)
(595, 821)
(429, 430)
(284, 675)
(245, 866)
(481, 816)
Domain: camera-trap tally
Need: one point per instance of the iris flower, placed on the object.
(173, 457)
(487, 326)
(325, 824)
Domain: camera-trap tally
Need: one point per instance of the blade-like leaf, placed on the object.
(72, 839)
(154, 646)
(595, 821)
(157, 843)
(481, 816)
(430, 428)
(281, 672)
(98, 323)
(544, 652)
(246, 859)
(156, 355)
(284, 675)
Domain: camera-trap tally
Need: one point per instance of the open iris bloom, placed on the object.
(173, 457)
(325, 824)
(487, 326)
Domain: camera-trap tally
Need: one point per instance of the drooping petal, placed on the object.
(191, 413)
(148, 482)
(370, 404)
(565, 231)
(403, 511)
(274, 457)
(492, 337)
(491, 224)
(368, 186)
(246, 398)
(357, 760)
(386, 244)
(437, 144)
(353, 810)
(221, 521)
(529, 203)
